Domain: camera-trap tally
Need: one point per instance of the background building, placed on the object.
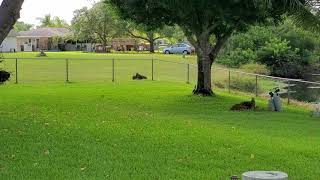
(10, 42)
(48, 39)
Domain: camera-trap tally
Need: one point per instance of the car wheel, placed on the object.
(185, 52)
(167, 52)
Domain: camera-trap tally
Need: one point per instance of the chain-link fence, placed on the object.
(106, 70)
(261, 85)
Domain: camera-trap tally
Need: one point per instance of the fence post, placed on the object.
(257, 86)
(188, 73)
(67, 70)
(152, 69)
(288, 91)
(16, 71)
(229, 82)
(113, 70)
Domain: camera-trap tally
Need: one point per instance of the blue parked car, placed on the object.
(180, 48)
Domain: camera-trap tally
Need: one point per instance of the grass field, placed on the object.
(53, 67)
(175, 69)
(147, 130)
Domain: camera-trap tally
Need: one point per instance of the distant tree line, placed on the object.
(101, 24)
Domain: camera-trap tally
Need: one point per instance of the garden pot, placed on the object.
(277, 103)
(271, 106)
(316, 112)
(264, 175)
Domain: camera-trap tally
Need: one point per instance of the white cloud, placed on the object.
(33, 9)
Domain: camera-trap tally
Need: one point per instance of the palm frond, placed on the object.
(303, 12)
(305, 15)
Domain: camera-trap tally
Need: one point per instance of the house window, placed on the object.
(38, 43)
(29, 41)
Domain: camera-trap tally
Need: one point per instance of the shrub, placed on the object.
(282, 60)
(284, 48)
(255, 68)
(238, 57)
(298, 37)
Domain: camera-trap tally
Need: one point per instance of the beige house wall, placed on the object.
(34, 43)
(124, 44)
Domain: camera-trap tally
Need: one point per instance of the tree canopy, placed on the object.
(97, 24)
(209, 23)
(21, 26)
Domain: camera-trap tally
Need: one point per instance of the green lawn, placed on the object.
(147, 130)
(53, 69)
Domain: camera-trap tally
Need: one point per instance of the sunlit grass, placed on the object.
(147, 130)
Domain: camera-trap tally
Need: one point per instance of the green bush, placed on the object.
(238, 57)
(253, 39)
(298, 37)
(285, 49)
(242, 48)
(282, 60)
(255, 68)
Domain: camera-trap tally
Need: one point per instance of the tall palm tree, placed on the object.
(46, 21)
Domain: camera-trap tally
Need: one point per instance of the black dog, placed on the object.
(139, 77)
(4, 76)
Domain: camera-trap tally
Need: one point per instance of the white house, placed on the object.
(10, 42)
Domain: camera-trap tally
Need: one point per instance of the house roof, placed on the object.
(13, 33)
(45, 32)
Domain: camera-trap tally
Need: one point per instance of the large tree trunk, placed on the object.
(151, 39)
(9, 14)
(205, 60)
(151, 46)
(204, 86)
(206, 56)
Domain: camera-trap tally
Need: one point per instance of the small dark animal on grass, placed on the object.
(4, 76)
(42, 54)
(139, 77)
(247, 105)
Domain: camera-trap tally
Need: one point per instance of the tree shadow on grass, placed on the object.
(217, 110)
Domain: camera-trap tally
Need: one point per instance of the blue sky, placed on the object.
(32, 9)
